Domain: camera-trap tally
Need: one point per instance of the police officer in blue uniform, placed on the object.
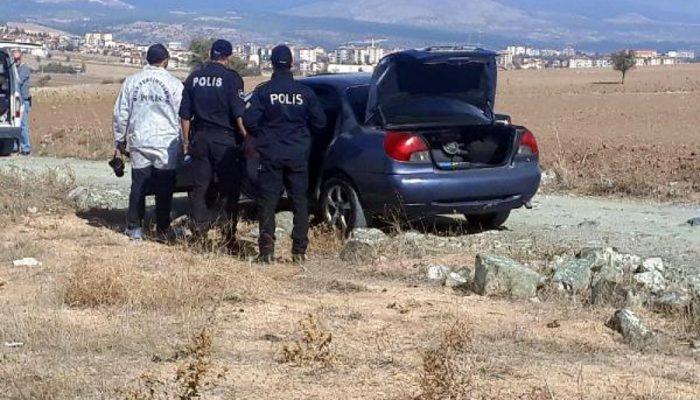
(279, 115)
(213, 133)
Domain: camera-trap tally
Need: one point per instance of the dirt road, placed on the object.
(644, 228)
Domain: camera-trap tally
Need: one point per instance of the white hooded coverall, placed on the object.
(146, 118)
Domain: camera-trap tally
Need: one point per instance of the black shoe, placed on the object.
(25, 153)
(267, 258)
(299, 258)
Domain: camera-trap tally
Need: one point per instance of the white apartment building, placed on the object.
(349, 68)
(308, 55)
(577, 63)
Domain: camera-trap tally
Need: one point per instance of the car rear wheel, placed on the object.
(340, 206)
(487, 221)
(6, 147)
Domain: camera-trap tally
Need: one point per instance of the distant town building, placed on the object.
(349, 68)
(578, 63)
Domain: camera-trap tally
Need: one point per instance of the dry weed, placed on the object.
(447, 371)
(195, 374)
(97, 283)
(325, 241)
(312, 348)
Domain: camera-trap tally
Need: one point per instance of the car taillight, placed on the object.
(18, 107)
(528, 144)
(406, 147)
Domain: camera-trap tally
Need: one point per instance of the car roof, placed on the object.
(339, 81)
(441, 52)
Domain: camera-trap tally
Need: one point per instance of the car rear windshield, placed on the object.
(440, 78)
(441, 92)
(431, 110)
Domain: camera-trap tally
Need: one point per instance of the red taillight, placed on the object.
(528, 144)
(406, 146)
(18, 107)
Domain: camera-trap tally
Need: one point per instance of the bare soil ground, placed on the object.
(600, 138)
(103, 317)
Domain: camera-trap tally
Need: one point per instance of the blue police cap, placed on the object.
(157, 54)
(281, 56)
(220, 49)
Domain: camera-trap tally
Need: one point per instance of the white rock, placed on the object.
(628, 262)
(653, 281)
(454, 279)
(26, 262)
(652, 264)
(32, 210)
(629, 325)
(13, 345)
(438, 272)
(549, 177)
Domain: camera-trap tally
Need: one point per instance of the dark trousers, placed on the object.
(217, 164)
(150, 180)
(274, 177)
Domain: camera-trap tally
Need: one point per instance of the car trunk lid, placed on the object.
(462, 81)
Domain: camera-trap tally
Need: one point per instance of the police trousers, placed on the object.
(144, 181)
(217, 167)
(274, 177)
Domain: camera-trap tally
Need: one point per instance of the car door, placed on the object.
(329, 98)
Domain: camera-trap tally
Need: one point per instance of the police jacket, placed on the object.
(213, 98)
(279, 114)
(145, 114)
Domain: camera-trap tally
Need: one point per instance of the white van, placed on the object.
(10, 105)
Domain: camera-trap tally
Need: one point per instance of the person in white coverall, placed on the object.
(146, 124)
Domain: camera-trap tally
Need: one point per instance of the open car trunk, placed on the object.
(450, 88)
(479, 146)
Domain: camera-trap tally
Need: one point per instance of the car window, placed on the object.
(357, 97)
(327, 96)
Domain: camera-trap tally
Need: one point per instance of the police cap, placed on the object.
(221, 49)
(281, 57)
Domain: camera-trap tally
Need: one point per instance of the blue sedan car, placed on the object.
(419, 138)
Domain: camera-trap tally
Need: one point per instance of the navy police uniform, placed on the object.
(213, 100)
(279, 115)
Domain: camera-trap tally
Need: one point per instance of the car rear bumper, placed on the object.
(10, 133)
(448, 192)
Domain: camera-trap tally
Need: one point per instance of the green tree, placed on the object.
(200, 49)
(624, 61)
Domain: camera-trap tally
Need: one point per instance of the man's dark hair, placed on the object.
(157, 54)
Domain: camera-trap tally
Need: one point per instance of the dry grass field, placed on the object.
(104, 318)
(601, 138)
